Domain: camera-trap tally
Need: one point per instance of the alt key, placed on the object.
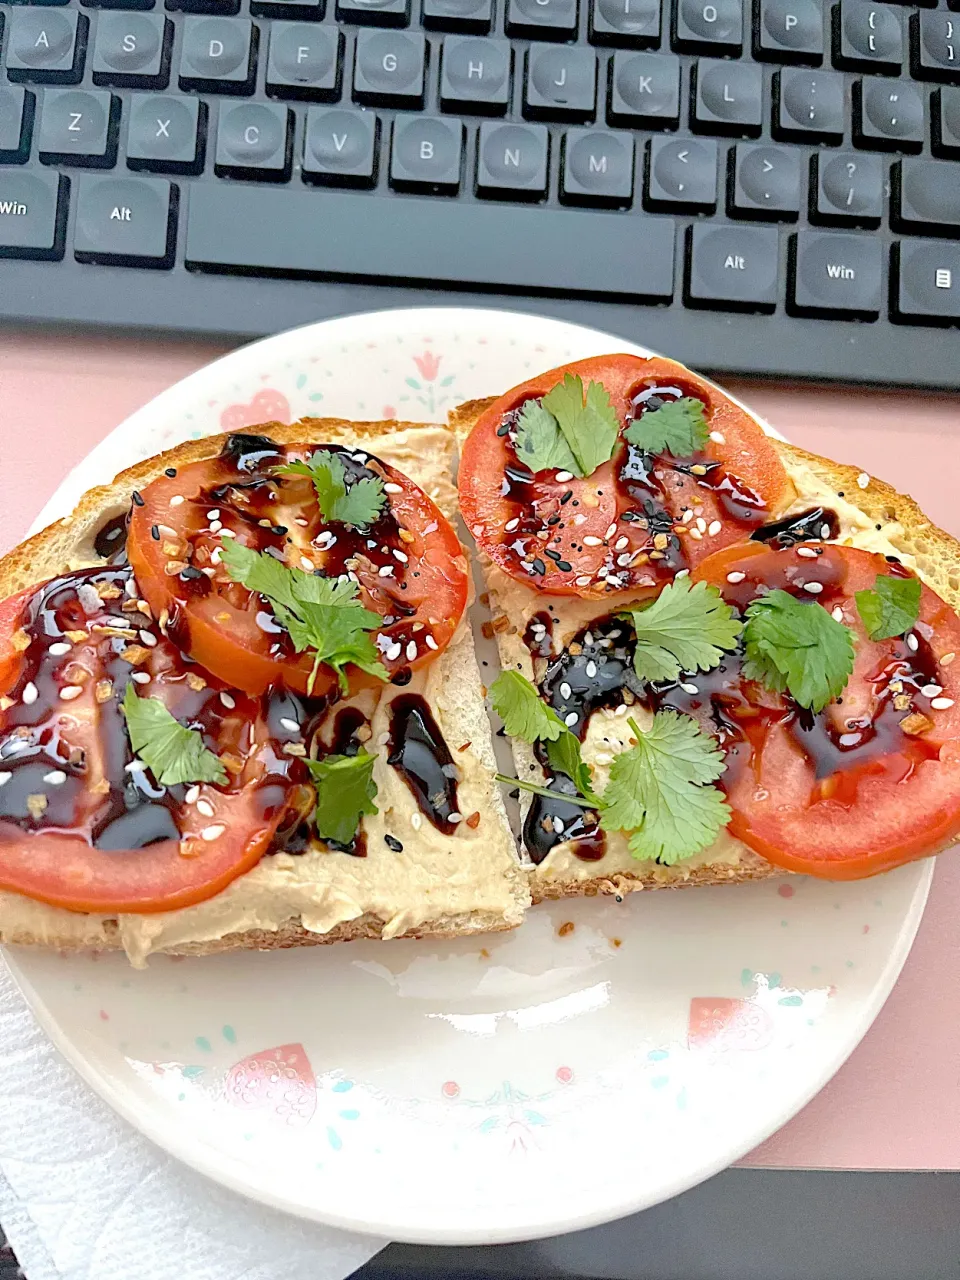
(127, 221)
(733, 268)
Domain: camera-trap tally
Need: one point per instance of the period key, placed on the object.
(128, 221)
(733, 268)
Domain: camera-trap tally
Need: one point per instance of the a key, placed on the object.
(834, 273)
(512, 160)
(132, 49)
(375, 13)
(867, 35)
(304, 61)
(935, 46)
(127, 221)
(458, 15)
(732, 268)
(426, 155)
(631, 24)
(218, 55)
(681, 174)
(945, 125)
(560, 83)
(848, 188)
(728, 97)
(542, 19)
(926, 282)
(597, 168)
(475, 74)
(340, 147)
(164, 133)
(810, 105)
(254, 141)
(389, 68)
(888, 115)
(789, 31)
(926, 196)
(46, 45)
(288, 9)
(33, 214)
(765, 182)
(216, 8)
(16, 124)
(645, 89)
(708, 26)
(79, 126)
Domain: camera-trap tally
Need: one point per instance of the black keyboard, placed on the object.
(769, 187)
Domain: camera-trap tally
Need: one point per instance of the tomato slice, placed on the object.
(639, 517)
(871, 782)
(83, 825)
(409, 563)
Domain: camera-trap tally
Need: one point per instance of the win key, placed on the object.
(33, 209)
(835, 274)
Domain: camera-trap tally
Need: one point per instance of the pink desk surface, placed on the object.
(896, 1103)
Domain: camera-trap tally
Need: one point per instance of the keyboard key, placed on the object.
(475, 75)
(512, 159)
(681, 174)
(427, 154)
(935, 46)
(112, 4)
(766, 182)
(164, 133)
(867, 36)
(810, 105)
(216, 8)
(926, 196)
(732, 268)
(645, 89)
(945, 125)
(633, 24)
(560, 84)
(926, 282)
(128, 221)
(132, 49)
(789, 31)
(33, 214)
(848, 188)
(389, 68)
(254, 141)
(46, 45)
(312, 9)
(708, 26)
(597, 167)
(458, 15)
(304, 61)
(375, 13)
(16, 124)
(542, 19)
(888, 115)
(218, 55)
(832, 273)
(79, 126)
(341, 147)
(351, 235)
(728, 97)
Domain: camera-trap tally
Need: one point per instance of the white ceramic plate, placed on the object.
(485, 1090)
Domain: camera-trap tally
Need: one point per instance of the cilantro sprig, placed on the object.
(679, 428)
(568, 429)
(798, 648)
(170, 751)
(359, 505)
(890, 607)
(686, 628)
(345, 792)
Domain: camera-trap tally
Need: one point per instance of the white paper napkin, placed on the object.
(84, 1197)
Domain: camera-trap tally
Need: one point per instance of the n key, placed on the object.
(163, 133)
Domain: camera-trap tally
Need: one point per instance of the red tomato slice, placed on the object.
(84, 826)
(846, 793)
(409, 564)
(638, 518)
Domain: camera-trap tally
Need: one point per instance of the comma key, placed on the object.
(835, 274)
(33, 211)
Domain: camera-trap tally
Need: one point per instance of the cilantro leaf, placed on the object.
(520, 707)
(540, 443)
(359, 505)
(170, 751)
(659, 793)
(686, 628)
(679, 428)
(564, 756)
(891, 607)
(590, 427)
(797, 647)
(345, 792)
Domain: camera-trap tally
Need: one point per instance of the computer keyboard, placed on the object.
(769, 187)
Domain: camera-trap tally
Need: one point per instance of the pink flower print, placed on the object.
(266, 406)
(722, 1023)
(428, 364)
(278, 1081)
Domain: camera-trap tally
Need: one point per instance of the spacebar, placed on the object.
(345, 235)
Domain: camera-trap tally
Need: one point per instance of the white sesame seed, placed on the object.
(701, 524)
(135, 766)
(148, 638)
(454, 817)
(176, 500)
(624, 560)
(563, 476)
(70, 691)
(306, 564)
(941, 704)
(932, 690)
(714, 528)
(431, 643)
(416, 822)
(736, 576)
(688, 688)
(687, 516)
(5, 776)
(228, 700)
(512, 524)
(386, 571)
(717, 438)
(191, 795)
(681, 573)
(621, 543)
(591, 541)
(863, 479)
(130, 588)
(411, 650)
(582, 581)
(579, 519)
(301, 521)
(216, 555)
(565, 690)
(946, 659)
(591, 669)
(912, 642)
(212, 833)
(206, 808)
(837, 614)
(807, 553)
(611, 530)
(696, 535)
(825, 531)
(400, 555)
(390, 487)
(213, 513)
(558, 826)
(166, 531)
(813, 587)
(292, 726)
(55, 777)
(570, 718)
(216, 526)
(621, 710)
(227, 533)
(393, 653)
(141, 677)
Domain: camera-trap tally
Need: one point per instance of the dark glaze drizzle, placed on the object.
(110, 542)
(819, 524)
(418, 752)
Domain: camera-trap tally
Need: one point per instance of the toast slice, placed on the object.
(437, 885)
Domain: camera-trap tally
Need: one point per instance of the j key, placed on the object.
(79, 126)
(163, 133)
(542, 19)
(728, 97)
(926, 196)
(46, 45)
(790, 31)
(375, 13)
(935, 46)
(848, 187)
(218, 55)
(341, 147)
(458, 15)
(810, 105)
(631, 23)
(645, 89)
(733, 268)
(708, 26)
(765, 182)
(681, 174)
(475, 74)
(304, 61)
(132, 49)
(945, 106)
(597, 167)
(512, 159)
(16, 124)
(426, 155)
(560, 84)
(33, 210)
(389, 68)
(254, 141)
(867, 35)
(835, 273)
(888, 115)
(287, 9)
(128, 221)
(926, 282)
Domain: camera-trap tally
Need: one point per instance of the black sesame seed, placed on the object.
(137, 498)
(554, 555)
(393, 843)
(538, 566)
(566, 497)
(554, 520)
(170, 471)
(514, 794)
(155, 533)
(503, 429)
(190, 572)
(565, 566)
